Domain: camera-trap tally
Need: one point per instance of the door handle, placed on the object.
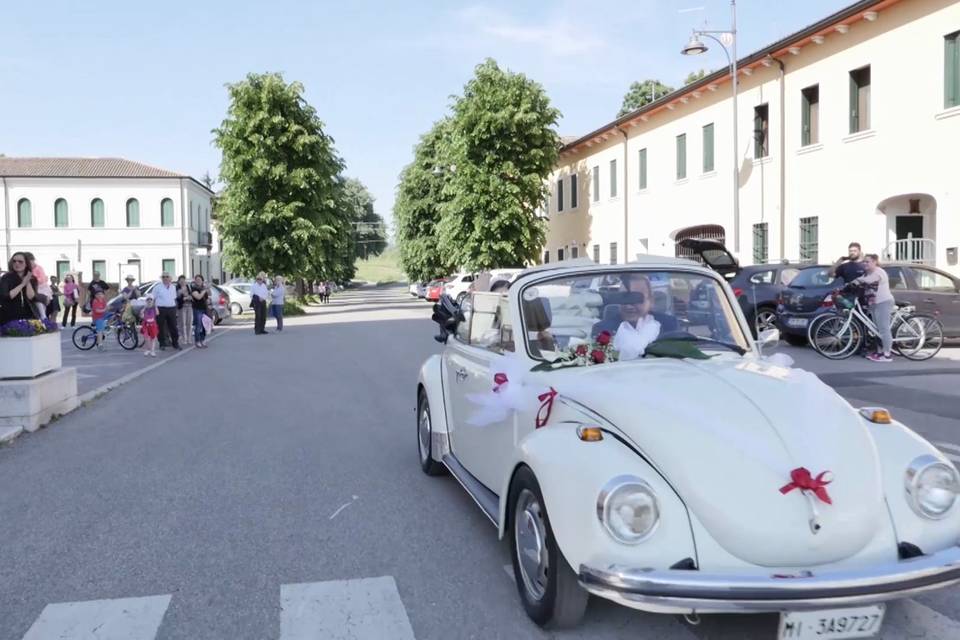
(461, 375)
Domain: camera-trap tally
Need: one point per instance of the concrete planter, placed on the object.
(29, 357)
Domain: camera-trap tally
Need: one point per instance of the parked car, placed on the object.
(458, 286)
(676, 482)
(756, 287)
(219, 299)
(809, 294)
(240, 301)
(435, 289)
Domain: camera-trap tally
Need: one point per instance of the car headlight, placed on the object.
(932, 486)
(628, 509)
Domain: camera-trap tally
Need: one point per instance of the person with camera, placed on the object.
(849, 267)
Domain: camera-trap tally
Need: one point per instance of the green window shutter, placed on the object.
(951, 70)
(708, 148)
(805, 119)
(560, 194)
(63, 268)
(133, 213)
(595, 184)
(574, 194)
(166, 212)
(613, 178)
(643, 168)
(60, 213)
(24, 214)
(854, 102)
(169, 266)
(681, 156)
(100, 266)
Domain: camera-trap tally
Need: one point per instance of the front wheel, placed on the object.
(84, 338)
(128, 337)
(425, 437)
(835, 337)
(918, 337)
(765, 319)
(548, 586)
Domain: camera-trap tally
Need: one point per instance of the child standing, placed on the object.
(149, 327)
(98, 313)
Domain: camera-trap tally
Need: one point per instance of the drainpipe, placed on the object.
(183, 232)
(783, 163)
(6, 220)
(626, 199)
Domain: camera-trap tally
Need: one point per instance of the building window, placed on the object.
(546, 256)
(60, 213)
(560, 194)
(810, 110)
(596, 253)
(613, 178)
(860, 99)
(63, 268)
(168, 265)
(761, 131)
(166, 212)
(681, 156)
(133, 213)
(596, 183)
(951, 70)
(613, 253)
(574, 252)
(574, 196)
(708, 148)
(24, 214)
(760, 248)
(96, 212)
(809, 239)
(99, 266)
(642, 167)
(559, 255)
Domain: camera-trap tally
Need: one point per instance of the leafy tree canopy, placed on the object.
(370, 236)
(693, 76)
(641, 94)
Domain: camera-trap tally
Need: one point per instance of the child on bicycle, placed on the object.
(878, 296)
(149, 327)
(98, 313)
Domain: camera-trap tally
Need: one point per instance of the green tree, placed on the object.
(369, 234)
(503, 147)
(279, 210)
(641, 94)
(417, 208)
(693, 76)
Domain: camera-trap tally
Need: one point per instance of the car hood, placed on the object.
(727, 432)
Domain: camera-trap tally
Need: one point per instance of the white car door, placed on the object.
(470, 361)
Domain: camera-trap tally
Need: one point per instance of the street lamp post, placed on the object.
(695, 47)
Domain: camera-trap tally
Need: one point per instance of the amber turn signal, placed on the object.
(590, 434)
(877, 415)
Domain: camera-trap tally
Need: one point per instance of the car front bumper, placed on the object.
(685, 591)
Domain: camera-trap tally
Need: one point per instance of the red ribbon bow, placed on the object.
(800, 478)
(546, 406)
(499, 379)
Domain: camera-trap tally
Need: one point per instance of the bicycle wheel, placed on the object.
(918, 337)
(832, 339)
(127, 337)
(84, 338)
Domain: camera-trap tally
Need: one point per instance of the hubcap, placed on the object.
(424, 432)
(531, 541)
(765, 320)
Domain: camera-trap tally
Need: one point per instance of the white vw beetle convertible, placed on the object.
(619, 426)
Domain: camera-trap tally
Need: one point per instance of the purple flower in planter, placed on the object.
(27, 328)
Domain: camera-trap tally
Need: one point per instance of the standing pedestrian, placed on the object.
(98, 315)
(849, 267)
(71, 300)
(200, 299)
(258, 299)
(96, 285)
(149, 327)
(165, 294)
(276, 301)
(53, 307)
(18, 289)
(877, 285)
(184, 309)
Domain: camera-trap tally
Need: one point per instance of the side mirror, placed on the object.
(768, 339)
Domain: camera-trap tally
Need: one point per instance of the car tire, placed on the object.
(425, 438)
(795, 340)
(553, 598)
(236, 309)
(765, 318)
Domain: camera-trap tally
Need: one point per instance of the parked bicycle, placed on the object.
(85, 337)
(841, 334)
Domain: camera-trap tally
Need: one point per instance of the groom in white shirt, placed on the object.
(638, 327)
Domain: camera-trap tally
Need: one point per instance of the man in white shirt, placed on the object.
(639, 328)
(165, 296)
(259, 294)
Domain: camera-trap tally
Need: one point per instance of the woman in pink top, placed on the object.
(71, 300)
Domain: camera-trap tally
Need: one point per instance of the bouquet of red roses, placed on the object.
(599, 351)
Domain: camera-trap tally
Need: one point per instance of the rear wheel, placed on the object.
(425, 437)
(236, 309)
(128, 337)
(835, 337)
(918, 337)
(84, 338)
(548, 586)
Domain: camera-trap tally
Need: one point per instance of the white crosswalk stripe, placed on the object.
(366, 609)
(117, 619)
(950, 450)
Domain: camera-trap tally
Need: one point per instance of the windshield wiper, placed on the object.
(689, 337)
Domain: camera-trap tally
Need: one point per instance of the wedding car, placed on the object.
(624, 432)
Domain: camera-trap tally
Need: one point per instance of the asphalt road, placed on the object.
(268, 487)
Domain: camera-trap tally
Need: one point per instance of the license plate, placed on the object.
(834, 624)
(796, 322)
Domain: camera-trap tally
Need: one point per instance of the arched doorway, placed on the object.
(911, 228)
(703, 232)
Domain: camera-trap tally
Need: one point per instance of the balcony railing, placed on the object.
(205, 239)
(916, 250)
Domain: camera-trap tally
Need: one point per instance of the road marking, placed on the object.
(948, 445)
(342, 507)
(365, 609)
(910, 619)
(115, 619)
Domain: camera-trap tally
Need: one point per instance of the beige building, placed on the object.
(848, 130)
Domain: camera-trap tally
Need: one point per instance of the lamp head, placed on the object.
(695, 46)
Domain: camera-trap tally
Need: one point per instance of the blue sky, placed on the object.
(145, 81)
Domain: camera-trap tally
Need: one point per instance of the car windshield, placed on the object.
(643, 305)
(815, 277)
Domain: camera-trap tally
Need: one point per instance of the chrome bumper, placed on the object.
(681, 591)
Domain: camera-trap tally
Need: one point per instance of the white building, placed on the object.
(848, 130)
(115, 216)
